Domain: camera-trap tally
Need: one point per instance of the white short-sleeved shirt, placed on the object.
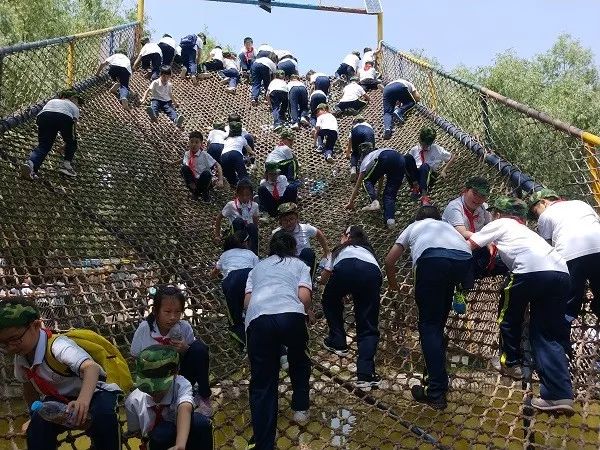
(573, 226)
(522, 250)
(431, 233)
(455, 214)
(216, 54)
(368, 57)
(144, 337)
(327, 121)
(281, 53)
(369, 161)
(280, 153)
(352, 251)
(367, 74)
(178, 50)
(161, 91)
(352, 60)
(119, 60)
(229, 63)
(65, 351)
(264, 48)
(62, 106)
(203, 161)
(361, 124)
(236, 143)
(435, 156)
(277, 85)
(150, 48)
(236, 259)
(303, 233)
(316, 75)
(273, 284)
(282, 183)
(411, 87)
(352, 91)
(169, 41)
(138, 406)
(216, 137)
(266, 62)
(234, 209)
(295, 83)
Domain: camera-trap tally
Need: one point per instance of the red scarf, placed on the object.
(249, 54)
(422, 154)
(471, 218)
(192, 162)
(276, 194)
(162, 340)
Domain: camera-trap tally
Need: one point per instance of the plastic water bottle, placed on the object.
(459, 303)
(56, 412)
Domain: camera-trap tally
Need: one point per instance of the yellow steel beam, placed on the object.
(71, 64)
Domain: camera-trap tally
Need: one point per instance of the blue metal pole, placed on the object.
(298, 6)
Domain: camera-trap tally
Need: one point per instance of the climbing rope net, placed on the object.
(87, 251)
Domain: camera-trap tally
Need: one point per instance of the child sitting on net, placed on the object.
(197, 169)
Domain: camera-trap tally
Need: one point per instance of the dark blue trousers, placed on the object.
(233, 75)
(322, 83)
(481, 260)
(164, 434)
(393, 93)
(315, 100)
(423, 175)
(245, 64)
(308, 257)
(269, 204)
(356, 104)
(345, 70)
(288, 67)
(249, 138)
(194, 367)
(298, 96)
(279, 106)
(122, 75)
(435, 280)
(234, 168)
(252, 230)
(266, 334)
(152, 62)
(166, 107)
(234, 289)
(546, 293)
(104, 430)
(262, 54)
(202, 182)
(358, 136)
(213, 65)
(168, 53)
(328, 138)
(215, 150)
(49, 124)
(261, 77)
(188, 60)
(391, 164)
(362, 280)
(584, 268)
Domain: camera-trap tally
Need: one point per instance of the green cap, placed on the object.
(219, 124)
(155, 368)
(17, 313)
(479, 185)
(279, 73)
(69, 93)
(286, 208)
(354, 78)
(287, 134)
(322, 106)
(272, 167)
(236, 127)
(365, 148)
(510, 205)
(358, 119)
(540, 195)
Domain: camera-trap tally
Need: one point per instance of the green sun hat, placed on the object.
(479, 185)
(510, 205)
(287, 208)
(272, 167)
(540, 195)
(322, 106)
(287, 134)
(155, 368)
(17, 314)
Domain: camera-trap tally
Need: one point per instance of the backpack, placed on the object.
(103, 352)
(188, 41)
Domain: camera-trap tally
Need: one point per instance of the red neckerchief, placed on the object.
(276, 194)
(248, 54)
(517, 218)
(162, 340)
(192, 162)
(422, 154)
(239, 206)
(471, 217)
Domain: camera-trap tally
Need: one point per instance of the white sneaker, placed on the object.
(564, 405)
(304, 121)
(283, 362)
(67, 169)
(391, 223)
(515, 372)
(353, 175)
(294, 126)
(204, 76)
(179, 121)
(301, 417)
(125, 104)
(373, 206)
(183, 72)
(230, 89)
(329, 159)
(203, 406)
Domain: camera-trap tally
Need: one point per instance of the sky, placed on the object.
(454, 32)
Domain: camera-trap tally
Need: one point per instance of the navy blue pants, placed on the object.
(546, 293)
(49, 124)
(215, 150)
(153, 62)
(261, 77)
(168, 53)
(393, 93)
(435, 280)
(269, 204)
(345, 70)
(362, 280)
(104, 430)
(239, 224)
(166, 107)
(322, 83)
(249, 139)
(263, 54)
(279, 106)
(288, 67)
(315, 100)
(234, 168)
(369, 84)
(327, 138)
(202, 182)
(308, 257)
(584, 268)
(298, 96)
(481, 260)
(424, 176)
(233, 75)
(213, 65)
(358, 137)
(194, 367)
(266, 334)
(234, 289)
(391, 164)
(245, 64)
(122, 75)
(164, 434)
(188, 60)
(355, 104)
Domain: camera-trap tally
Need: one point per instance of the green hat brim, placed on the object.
(151, 385)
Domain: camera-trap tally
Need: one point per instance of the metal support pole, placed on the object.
(140, 27)
(71, 63)
(379, 27)
(485, 117)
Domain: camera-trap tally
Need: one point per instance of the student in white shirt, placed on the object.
(298, 99)
(231, 71)
(119, 70)
(197, 167)
(540, 280)
(278, 301)
(283, 156)
(367, 78)
(264, 50)
(303, 233)
(162, 98)
(275, 189)
(150, 57)
(353, 270)
(232, 156)
(191, 51)
(349, 66)
(442, 262)
(59, 115)
(235, 264)
(247, 55)
(325, 132)
(425, 161)
(216, 140)
(215, 61)
(161, 408)
(263, 68)
(287, 62)
(397, 91)
(277, 93)
(354, 98)
(242, 214)
(168, 47)
(361, 132)
(316, 98)
(318, 81)
(573, 228)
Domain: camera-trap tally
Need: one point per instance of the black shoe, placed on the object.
(387, 134)
(367, 381)
(206, 197)
(418, 393)
(335, 350)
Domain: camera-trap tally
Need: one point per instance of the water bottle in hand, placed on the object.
(459, 302)
(56, 412)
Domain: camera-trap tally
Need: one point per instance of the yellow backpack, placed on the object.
(102, 352)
